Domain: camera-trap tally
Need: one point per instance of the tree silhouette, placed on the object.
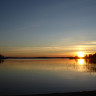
(92, 56)
(1, 56)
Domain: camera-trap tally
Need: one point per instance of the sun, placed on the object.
(80, 54)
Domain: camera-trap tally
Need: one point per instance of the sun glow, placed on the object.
(80, 54)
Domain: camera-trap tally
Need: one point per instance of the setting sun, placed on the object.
(80, 54)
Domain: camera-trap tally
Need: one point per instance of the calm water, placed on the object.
(46, 76)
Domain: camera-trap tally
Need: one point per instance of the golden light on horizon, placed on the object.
(80, 54)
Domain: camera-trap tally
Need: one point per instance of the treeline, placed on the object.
(90, 56)
(2, 57)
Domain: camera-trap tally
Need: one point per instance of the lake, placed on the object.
(36, 76)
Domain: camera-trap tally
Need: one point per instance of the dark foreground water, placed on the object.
(46, 76)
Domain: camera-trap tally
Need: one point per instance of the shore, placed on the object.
(84, 93)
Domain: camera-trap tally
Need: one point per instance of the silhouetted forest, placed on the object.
(90, 56)
(1, 56)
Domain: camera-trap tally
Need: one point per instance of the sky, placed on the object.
(47, 27)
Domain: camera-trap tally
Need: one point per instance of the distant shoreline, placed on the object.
(45, 58)
(37, 57)
(91, 57)
(48, 58)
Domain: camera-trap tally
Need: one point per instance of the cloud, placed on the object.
(89, 43)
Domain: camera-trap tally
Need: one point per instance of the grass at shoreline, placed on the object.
(84, 93)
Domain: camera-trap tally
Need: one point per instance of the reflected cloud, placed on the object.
(40, 64)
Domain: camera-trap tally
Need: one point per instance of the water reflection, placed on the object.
(84, 65)
(81, 61)
(42, 75)
(1, 60)
(91, 65)
(88, 65)
(80, 65)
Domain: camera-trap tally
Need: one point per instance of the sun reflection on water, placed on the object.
(81, 65)
(81, 61)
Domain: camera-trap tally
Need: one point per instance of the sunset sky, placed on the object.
(47, 27)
